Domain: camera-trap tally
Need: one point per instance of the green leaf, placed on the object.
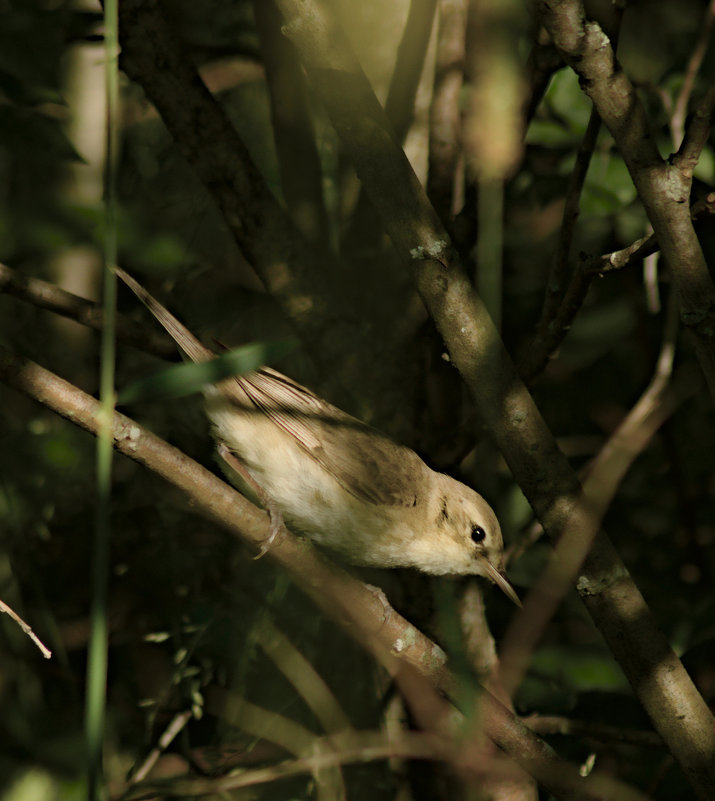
(563, 115)
(185, 379)
(578, 668)
(609, 186)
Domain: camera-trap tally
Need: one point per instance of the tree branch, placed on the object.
(600, 483)
(416, 663)
(645, 246)
(292, 127)
(664, 188)
(545, 476)
(445, 113)
(544, 60)
(680, 107)
(558, 276)
(400, 102)
(399, 109)
(696, 133)
(288, 267)
(48, 296)
(553, 724)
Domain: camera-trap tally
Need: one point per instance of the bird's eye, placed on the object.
(478, 533)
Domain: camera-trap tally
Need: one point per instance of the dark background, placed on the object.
(188, 606)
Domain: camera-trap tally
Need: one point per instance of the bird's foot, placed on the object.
(277, 527)
(276, 530)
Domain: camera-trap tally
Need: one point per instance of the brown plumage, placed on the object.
(332, 477)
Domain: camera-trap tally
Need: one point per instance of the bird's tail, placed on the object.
(176, 330)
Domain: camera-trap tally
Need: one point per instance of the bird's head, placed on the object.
(468, 539)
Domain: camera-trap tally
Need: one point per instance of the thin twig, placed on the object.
(444, 116)
(640, 248)
(664, 187)
(177, 723)
(564, 296)
(45, 651)
(554, 724)
(696, 134)
(550, 337)
(544, 60)
(558, 276)
(48, 296)
(359, 747)
(680, 107)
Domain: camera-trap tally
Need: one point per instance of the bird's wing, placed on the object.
(365, 462)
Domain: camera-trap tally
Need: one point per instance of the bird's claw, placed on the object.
(275, 533)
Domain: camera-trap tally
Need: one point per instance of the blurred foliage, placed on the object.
(186, 379)
(187, 603)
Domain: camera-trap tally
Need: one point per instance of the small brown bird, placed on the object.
(335, 479)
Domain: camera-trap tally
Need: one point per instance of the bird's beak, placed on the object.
(498, 577)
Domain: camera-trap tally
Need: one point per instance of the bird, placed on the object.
(331, 477)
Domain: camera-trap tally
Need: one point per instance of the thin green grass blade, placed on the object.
(95, 700)
(185, 379)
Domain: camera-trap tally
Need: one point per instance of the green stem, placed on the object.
(95, 710)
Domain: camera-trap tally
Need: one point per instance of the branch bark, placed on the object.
(307, 283)
(656, 675)
(292, 127)
(445, 113)
(290, 269)
(399, 109)
(415, 662)
(663, 186)
(601, 480)
(564, 294)
(48, 296)
(645, 246)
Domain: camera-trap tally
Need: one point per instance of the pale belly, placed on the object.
(312, 502)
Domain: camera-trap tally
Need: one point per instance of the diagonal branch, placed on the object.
(544, 474)
(399, 108)
(8, 610)
(293, 132)
(564, 295)
(677, 120)
(559, 271)
(645, 246)
(697, 133)
(290, 269)
(544, 60)
(400, 102)
(600, 482)
(48, 296)
(416, 663)
(663, 187)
